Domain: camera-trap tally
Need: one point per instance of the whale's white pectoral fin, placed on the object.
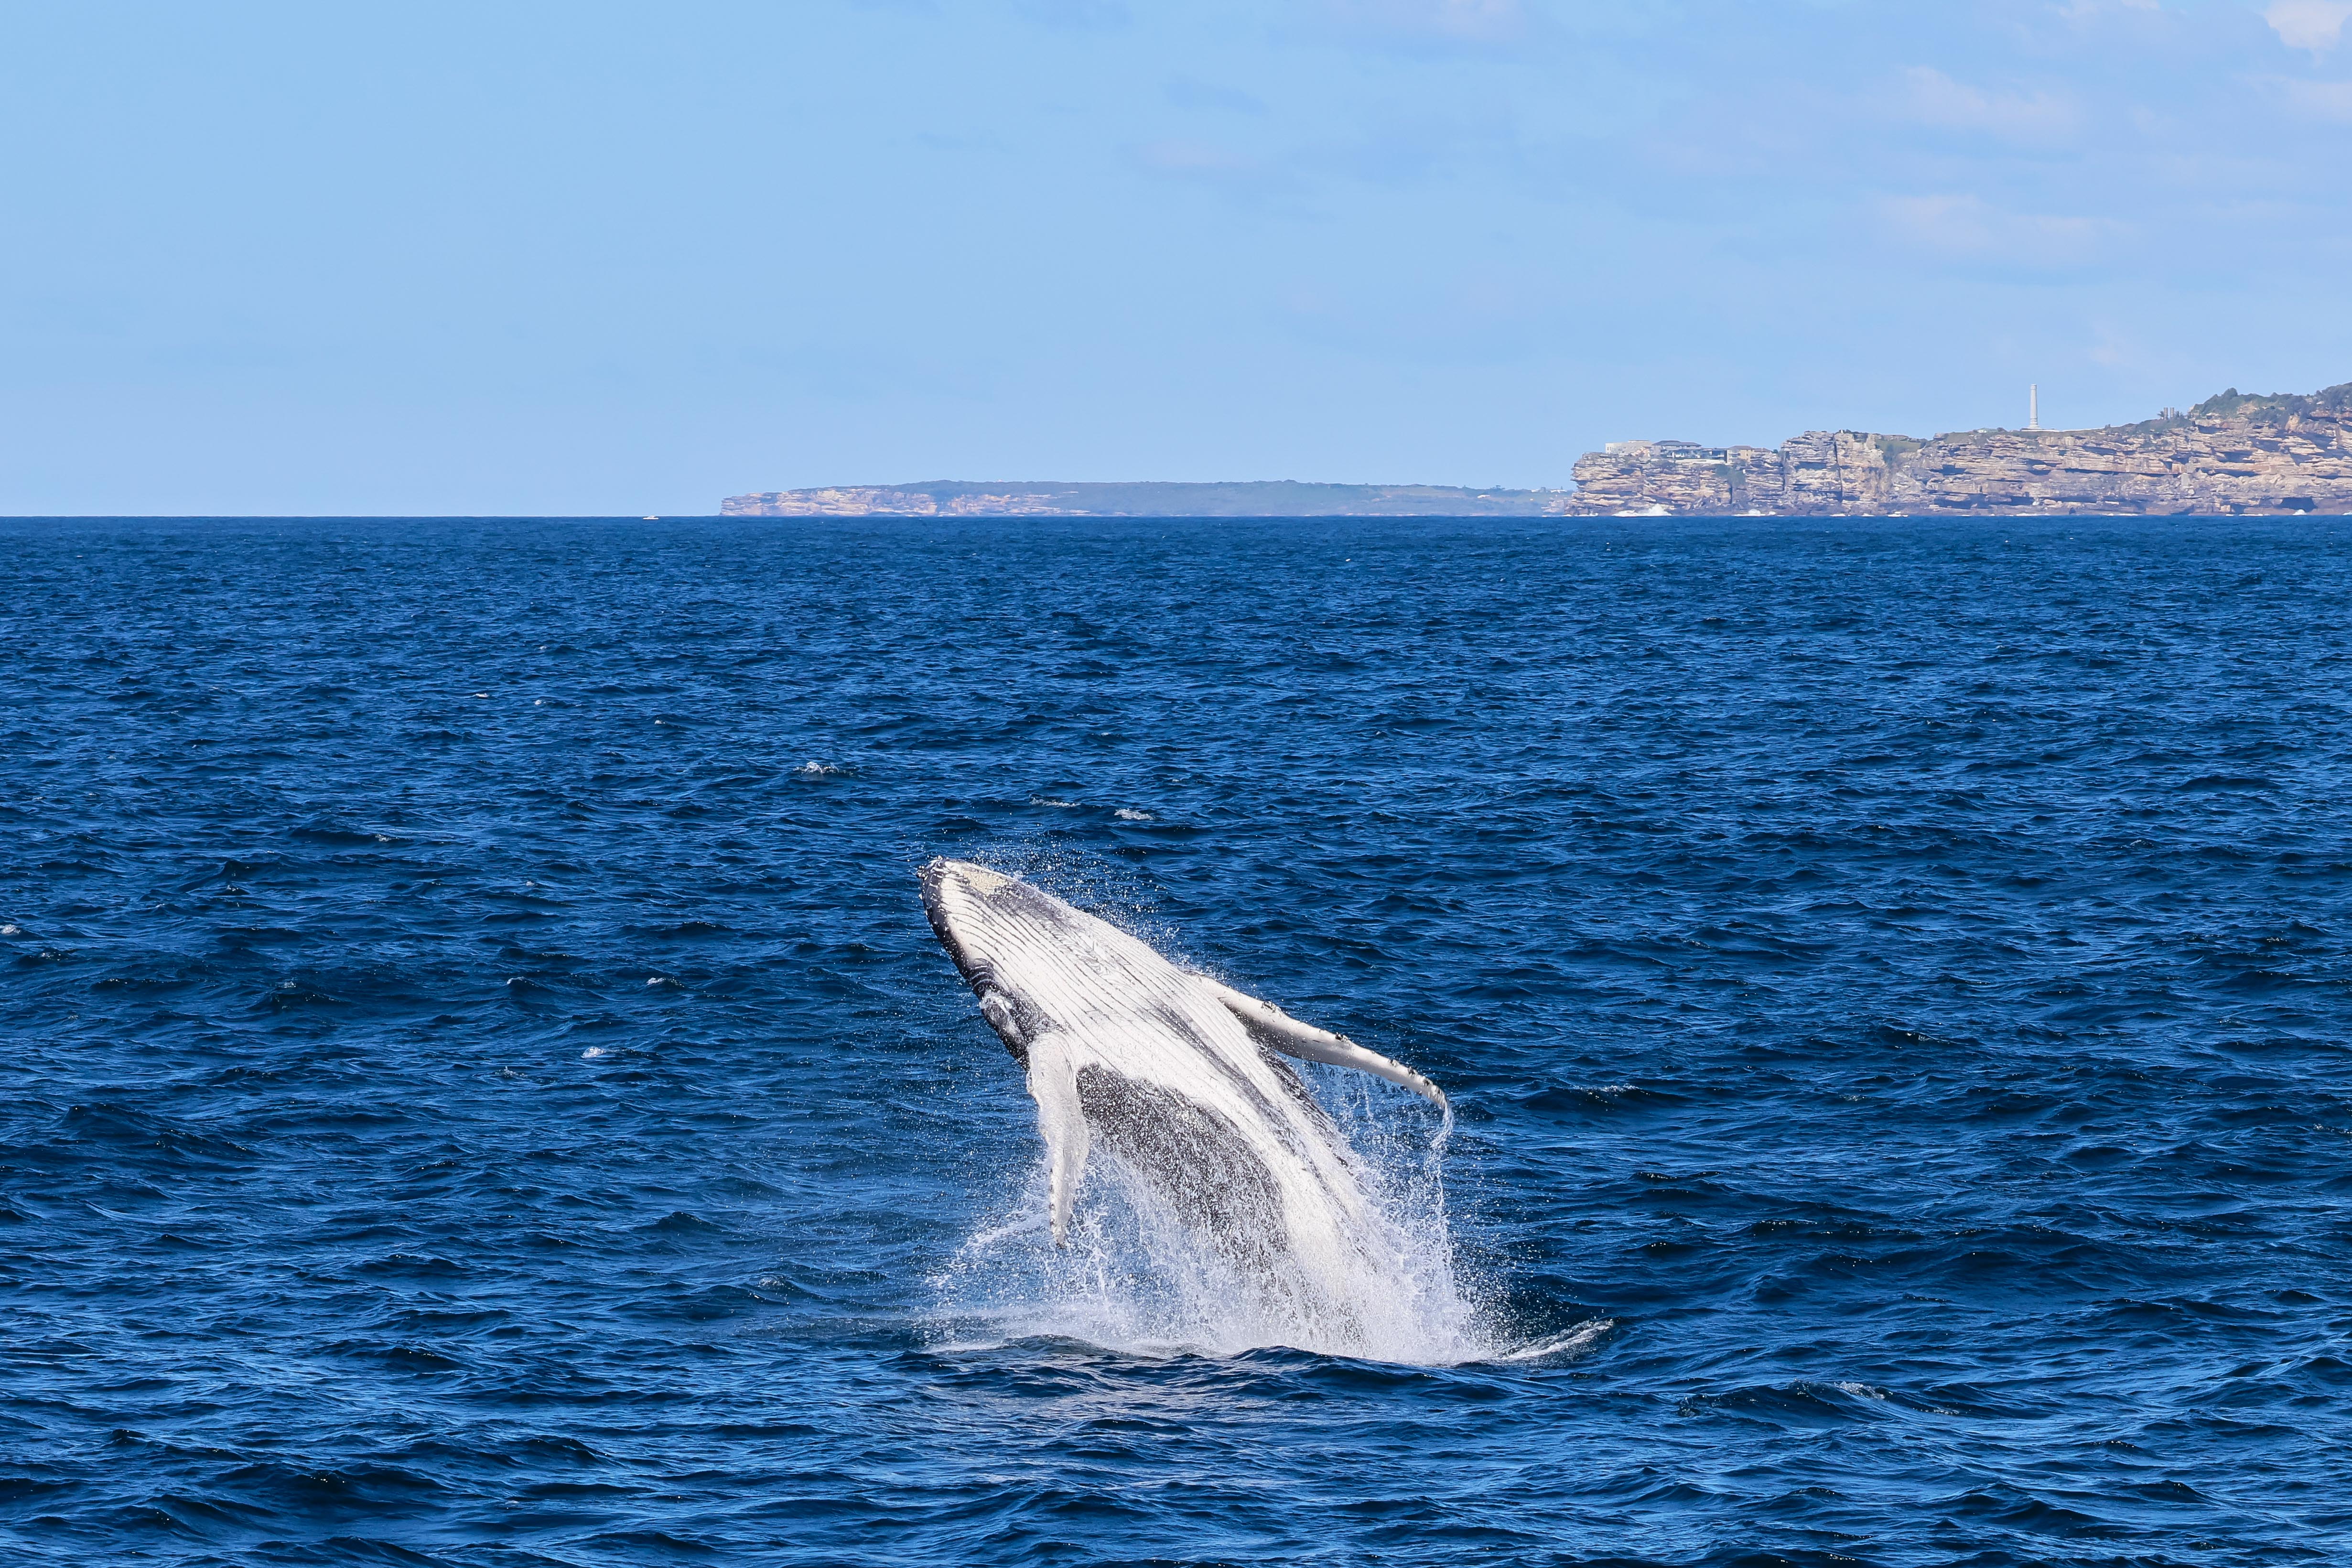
(1062, 1121)
(1271, 1026)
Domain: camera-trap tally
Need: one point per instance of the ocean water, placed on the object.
(480, 1088)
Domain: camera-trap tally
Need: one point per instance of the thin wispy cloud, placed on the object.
(1077, 15)
(2328, 103)
(1246, 179)
(1443, 21)
(1931, 98)
(1171, 156)
(1189, 92)
(1960, 228)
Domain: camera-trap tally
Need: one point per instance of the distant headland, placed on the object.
(2231, 455)
(1270, 498)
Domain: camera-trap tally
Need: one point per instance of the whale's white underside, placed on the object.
(1172, 1070)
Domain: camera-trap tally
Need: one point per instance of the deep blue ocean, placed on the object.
(481, 1088)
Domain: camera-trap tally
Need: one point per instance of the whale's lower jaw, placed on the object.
(935, 886)
(961, 901)
(971, 908)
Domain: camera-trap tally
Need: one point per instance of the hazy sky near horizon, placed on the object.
(602, 257)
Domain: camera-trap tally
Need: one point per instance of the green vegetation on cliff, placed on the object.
(2276, 407)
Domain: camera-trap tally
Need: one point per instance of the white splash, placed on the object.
(1135, 1279)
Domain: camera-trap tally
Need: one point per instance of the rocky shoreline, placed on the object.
(2231, 455)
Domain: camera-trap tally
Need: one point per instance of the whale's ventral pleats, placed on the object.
(1174, 1078)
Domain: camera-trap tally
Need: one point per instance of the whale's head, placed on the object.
(1013, 943)
(976, 913)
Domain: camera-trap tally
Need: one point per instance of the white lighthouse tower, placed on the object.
(2033, 406)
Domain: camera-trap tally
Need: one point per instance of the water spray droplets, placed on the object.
(1137, 1279)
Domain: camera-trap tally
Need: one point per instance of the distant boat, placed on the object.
(648, 519)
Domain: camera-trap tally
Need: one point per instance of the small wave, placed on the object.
(1576, 1343)
(1125, 814)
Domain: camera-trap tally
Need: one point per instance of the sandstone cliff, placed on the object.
(2231, 454)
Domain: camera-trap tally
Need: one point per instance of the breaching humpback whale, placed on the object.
(1177, 1075)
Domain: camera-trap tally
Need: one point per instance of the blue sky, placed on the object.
(599, 257)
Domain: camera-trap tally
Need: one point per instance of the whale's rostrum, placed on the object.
(1179, 1077)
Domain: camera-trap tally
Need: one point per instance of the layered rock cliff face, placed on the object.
(2232, 454)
